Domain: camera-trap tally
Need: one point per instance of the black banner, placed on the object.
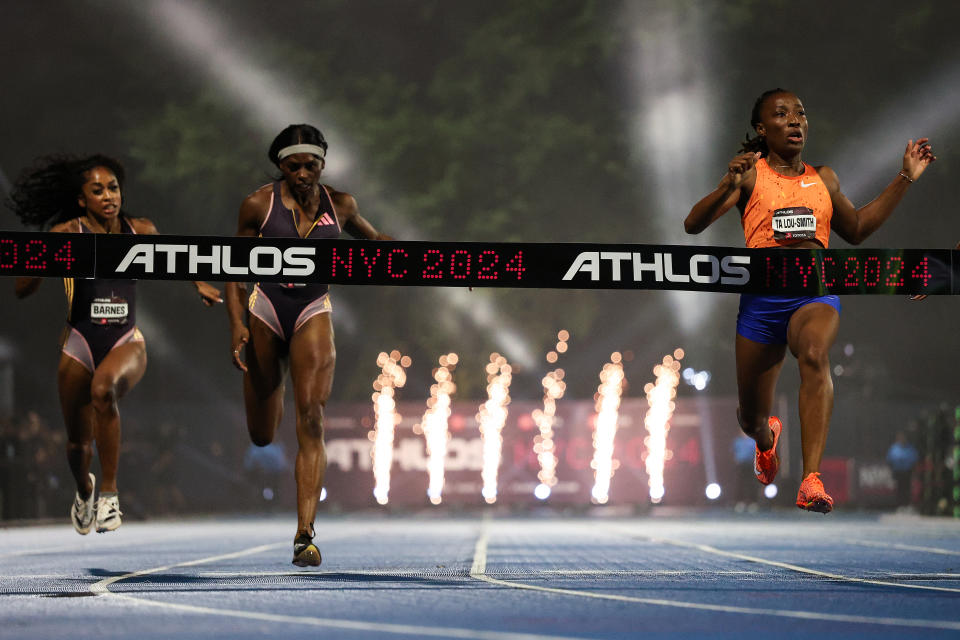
(483, 264)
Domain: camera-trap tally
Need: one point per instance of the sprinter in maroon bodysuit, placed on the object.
(288, 326)
(102, 350)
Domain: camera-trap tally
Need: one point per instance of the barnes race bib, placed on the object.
(794, 223)
(108, 311)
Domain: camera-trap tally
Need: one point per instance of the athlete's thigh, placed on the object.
(312, 359)
(121, 369)
(266, 360)
(263, 381)
(73, 387)
(813, 327)
(758, 368)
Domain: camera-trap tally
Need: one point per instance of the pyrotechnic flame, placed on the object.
(392, 376)
(543, 444)
(657, 421)
(608, 412)
(491, 417)
(434, 424)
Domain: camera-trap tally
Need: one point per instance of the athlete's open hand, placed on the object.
(209, 294)
(740, 166)
(917, 157)
(238, 341)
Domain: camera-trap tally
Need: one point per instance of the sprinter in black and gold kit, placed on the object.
(102, 351)
(101, 314)
(288, 327)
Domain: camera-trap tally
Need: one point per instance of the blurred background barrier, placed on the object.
(188, 464)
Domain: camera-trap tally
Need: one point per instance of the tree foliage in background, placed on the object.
(486, 133)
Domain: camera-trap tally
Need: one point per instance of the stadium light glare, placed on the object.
(273, 99)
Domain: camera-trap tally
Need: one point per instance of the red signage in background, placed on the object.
(837, 473)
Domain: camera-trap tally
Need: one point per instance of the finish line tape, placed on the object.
(482, 264)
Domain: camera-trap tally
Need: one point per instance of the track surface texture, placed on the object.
(703, 575)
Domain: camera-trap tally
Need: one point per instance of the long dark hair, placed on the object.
(758, 142)
(295, 134)
(45, 194)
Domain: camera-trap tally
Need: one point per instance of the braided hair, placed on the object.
(46, 193)
(295, 134)
(758, 142)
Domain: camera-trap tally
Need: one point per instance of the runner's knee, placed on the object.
(751, 423)
(310, 420)
(260, 435)
(813, 358)
(103, 394)
(260, 440)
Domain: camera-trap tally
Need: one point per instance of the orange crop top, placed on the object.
(784, 210)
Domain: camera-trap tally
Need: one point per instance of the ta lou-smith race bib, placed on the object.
(794, 223)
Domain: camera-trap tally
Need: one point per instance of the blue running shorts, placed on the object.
(765, 318)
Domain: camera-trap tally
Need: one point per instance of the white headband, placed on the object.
(301, 148)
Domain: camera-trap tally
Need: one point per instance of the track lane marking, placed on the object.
(40, 552)
(412, 572)
(903, 547)
(101, 588)
(116, 541)
(643, 572)
(794, 567)
(479, 565)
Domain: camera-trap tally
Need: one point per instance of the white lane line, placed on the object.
(102, 588)
(397, 573)
(797, 568)
(917, 576)
(480, 563)
(643, 572)
(407, 573)
(415, 573)
(38, 576)
(41, 552)
(903, 547)
(96, 544)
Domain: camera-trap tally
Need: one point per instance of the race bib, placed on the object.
(107, 311)
(794, 223)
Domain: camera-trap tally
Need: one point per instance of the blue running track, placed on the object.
(693, 575)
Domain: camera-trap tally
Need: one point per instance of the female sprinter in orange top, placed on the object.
(102, 350)
(787, 203)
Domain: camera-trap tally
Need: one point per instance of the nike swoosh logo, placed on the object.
(804, 185)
